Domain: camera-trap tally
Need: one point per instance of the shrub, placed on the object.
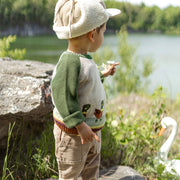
(132, 74)
(5, 50)
(130, 137)
(30, 155)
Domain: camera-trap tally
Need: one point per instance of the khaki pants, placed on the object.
(75, 158)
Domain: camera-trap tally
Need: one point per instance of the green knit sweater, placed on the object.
(77, 91)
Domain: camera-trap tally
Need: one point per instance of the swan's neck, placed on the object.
(164, 150)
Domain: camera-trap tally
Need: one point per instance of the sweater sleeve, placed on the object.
(101, 76)
(64, 90)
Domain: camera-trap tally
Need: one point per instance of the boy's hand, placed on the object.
(86, 133)
(110, 70)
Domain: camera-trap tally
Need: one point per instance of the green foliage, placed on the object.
(30, 157)
(143, 18)
(6, 171)
(18, 12)
(131, 74)
(135, 17)
(104, 55)
(161, 175)
(135, 134)
(5, 50)
(146, 21)
(130, 137)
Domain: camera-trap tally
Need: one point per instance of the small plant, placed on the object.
(5, 50)
(6, 171)
(134, 136)
(130, 137)
(161, 175)
(132, 74)
(30, 157)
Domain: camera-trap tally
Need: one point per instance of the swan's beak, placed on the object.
(161, 131)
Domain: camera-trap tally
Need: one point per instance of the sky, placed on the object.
(159, 3)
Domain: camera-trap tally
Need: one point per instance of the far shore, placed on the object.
(36, 30)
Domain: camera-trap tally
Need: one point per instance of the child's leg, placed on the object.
(68, 171)
(91, 168)
(69, 154)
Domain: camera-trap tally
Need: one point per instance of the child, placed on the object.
(77, 91)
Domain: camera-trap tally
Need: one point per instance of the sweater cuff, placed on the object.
(74, 119)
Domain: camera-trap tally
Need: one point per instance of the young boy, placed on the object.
(77, 91)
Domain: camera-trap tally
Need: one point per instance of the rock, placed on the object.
(24, 93)
(117, 173)
(120, 173)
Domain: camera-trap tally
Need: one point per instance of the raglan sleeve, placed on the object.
(101, 76)
(64, 87)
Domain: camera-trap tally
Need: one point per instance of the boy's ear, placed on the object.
(91, 35)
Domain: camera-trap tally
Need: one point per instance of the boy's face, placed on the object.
(98, 39)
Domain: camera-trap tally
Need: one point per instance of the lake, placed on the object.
(164, 50)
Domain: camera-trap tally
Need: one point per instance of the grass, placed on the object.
(31, 155)
(6, 171)
(131, 133)
(129, 138)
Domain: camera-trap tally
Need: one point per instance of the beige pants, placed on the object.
(75, 158)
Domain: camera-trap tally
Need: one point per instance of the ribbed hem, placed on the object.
(71, 130)
(65, 129)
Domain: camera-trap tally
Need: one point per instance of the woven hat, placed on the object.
(74, 18)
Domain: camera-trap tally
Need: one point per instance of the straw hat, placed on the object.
(74, 18)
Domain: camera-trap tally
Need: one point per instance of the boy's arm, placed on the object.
(64, 90)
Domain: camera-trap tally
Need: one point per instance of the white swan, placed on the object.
(164, 150)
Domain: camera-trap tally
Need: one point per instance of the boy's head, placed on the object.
(74, 18)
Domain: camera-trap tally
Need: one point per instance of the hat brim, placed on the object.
(113, 12)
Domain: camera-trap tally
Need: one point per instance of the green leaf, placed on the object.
(123, 141)
(160, 168)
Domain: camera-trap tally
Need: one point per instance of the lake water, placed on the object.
(164, 50)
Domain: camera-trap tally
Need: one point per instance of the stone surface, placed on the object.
(24, 92)
(120, 173)
(117, 173)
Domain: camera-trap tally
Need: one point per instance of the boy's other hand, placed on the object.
(110, 70)
(86, 133)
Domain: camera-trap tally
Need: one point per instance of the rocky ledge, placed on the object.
(24, 93)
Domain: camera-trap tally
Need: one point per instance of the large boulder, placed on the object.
(24, 93)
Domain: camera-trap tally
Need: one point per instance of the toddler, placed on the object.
(77, 91)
